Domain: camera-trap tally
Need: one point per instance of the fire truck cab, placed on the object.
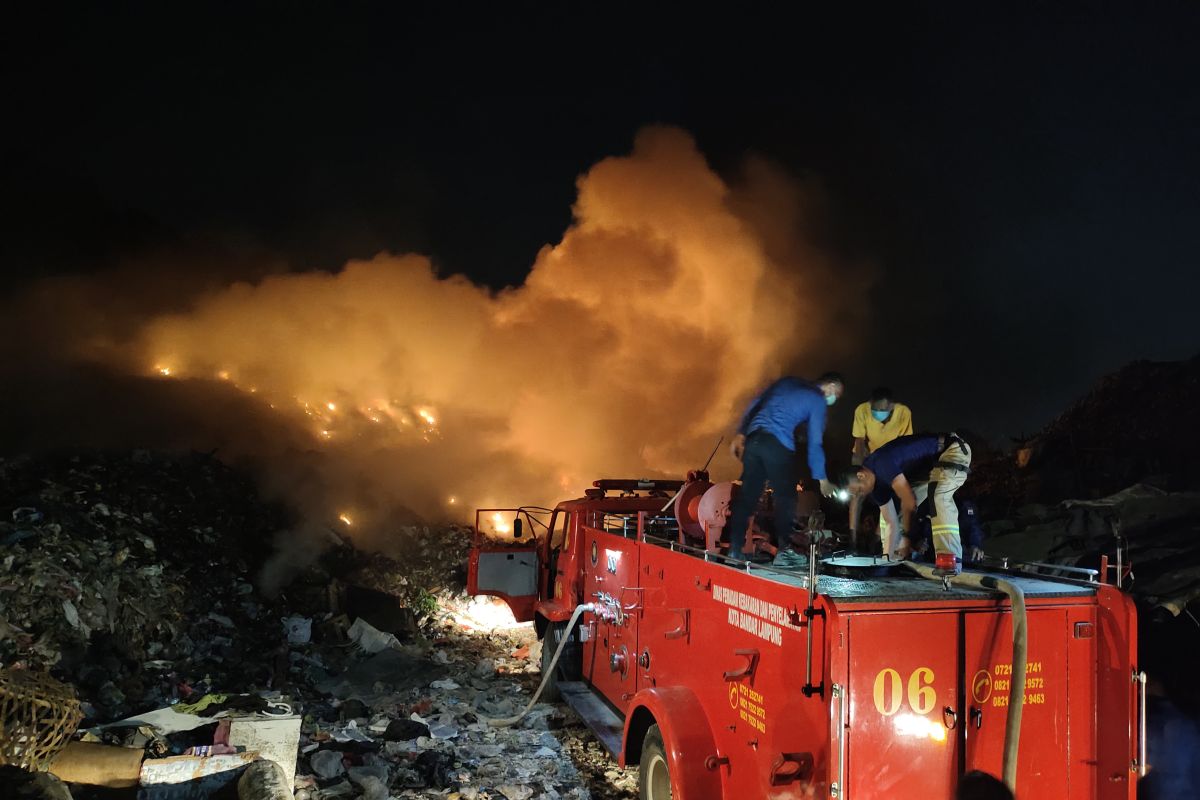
(725, 679)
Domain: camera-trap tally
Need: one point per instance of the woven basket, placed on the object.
(37, 716)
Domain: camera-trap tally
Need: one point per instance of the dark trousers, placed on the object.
(764, 461)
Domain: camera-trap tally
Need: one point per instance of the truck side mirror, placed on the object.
(517, 525)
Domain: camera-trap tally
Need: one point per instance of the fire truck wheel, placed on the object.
(569, 666)
(654, 778)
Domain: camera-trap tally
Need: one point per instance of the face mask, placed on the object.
(880, 415)
(830, 399)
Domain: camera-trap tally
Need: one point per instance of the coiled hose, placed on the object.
(1016, 688)
(505, 722)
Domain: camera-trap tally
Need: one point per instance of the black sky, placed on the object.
(1027, 183)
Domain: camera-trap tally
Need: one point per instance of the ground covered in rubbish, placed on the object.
(135, 580)
(465, 675)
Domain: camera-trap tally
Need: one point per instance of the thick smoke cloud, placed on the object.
(632, 345)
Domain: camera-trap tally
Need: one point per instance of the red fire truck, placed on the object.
(727, 679)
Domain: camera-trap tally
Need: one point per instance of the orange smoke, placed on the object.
(629, 349)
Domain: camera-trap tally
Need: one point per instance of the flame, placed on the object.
(345, 518)
(426, 415)
(331, 406)
(163, 370)
(499, 524)
(452, 501)
(223, 375)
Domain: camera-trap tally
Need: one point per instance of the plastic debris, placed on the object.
(299, 629)
(327, 763)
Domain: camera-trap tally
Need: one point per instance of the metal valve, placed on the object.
(618, 660)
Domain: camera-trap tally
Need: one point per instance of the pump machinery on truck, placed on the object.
(851, 677)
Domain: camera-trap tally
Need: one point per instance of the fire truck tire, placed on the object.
(570, 665)
(654, 776)
(550, 694)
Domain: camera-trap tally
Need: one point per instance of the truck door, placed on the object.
(504, 560)
(903, 706)
(1042, 759)
(610, 652)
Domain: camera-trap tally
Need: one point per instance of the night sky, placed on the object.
(1027, 185)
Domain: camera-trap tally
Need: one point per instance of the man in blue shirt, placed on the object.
(766, 445)
(907, 470)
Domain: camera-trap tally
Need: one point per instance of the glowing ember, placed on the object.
(453, 501)
(345, 518)
(325, 434)
(331, 406)
(164, 371)
(223, 374)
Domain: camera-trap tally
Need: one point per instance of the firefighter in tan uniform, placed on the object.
(906, 471)
(877, 422)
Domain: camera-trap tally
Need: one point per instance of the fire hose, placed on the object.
(505, 722)
(1016, 689)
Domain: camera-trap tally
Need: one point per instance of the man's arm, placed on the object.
(816, 445)
(751, 408)
(816, 448)
(903, 543)
(858, 429)
(908, 503)
(908, 423)
(737, 445)
(855, 509)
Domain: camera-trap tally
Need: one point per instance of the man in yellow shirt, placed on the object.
(876, 423)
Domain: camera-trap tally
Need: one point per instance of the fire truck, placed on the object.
(850, 677)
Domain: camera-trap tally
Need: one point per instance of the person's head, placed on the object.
(976, 785)
(882, 403)
(832, 386)
(859, 481)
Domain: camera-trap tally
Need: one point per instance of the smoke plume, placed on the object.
(386, 389)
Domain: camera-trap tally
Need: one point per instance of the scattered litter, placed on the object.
(299, 629)
(327, 763)
(185, 671)
(370, 639)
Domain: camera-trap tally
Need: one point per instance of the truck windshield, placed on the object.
(558, 532)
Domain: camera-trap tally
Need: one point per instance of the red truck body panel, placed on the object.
(913, 681)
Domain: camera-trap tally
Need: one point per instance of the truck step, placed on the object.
(604, 722)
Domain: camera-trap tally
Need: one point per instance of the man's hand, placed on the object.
(738, 446)
(977, 554)
(827, 487)
(904, 549)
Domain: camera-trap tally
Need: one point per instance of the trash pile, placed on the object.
(1158, 531)
(1125, 430)
(123, 573)
(130, 578)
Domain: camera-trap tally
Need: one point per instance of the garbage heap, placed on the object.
(124, 573)
(1129, 428)
(130, 577)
